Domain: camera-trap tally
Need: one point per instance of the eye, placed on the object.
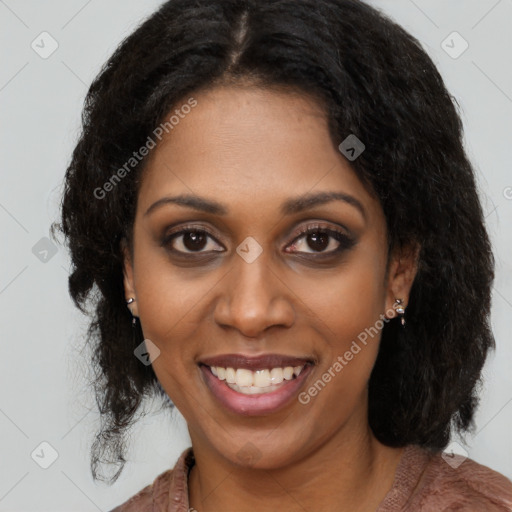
(322, 241)
(189, 240)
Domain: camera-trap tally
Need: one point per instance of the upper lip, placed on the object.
(261, 362)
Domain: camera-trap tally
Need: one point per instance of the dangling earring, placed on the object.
(134, 318)
(399, 308)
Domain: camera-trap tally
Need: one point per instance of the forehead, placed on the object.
(248, 146)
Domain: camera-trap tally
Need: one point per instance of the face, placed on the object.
(257, 281)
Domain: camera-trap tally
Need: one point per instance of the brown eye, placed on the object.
(194, 240)
(318, 241)
(321, 241)
(189, 241)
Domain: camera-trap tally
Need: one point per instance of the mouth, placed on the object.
(255, 385)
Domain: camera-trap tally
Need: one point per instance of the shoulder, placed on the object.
(145, 499)
(461, 484)
(156, 496)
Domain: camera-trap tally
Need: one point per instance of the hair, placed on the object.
(374, 80)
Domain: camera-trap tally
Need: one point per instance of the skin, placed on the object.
(252, 149)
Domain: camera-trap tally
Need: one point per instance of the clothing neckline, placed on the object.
(410, 467)
(408, 472)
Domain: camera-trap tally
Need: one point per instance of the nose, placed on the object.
(254, 298)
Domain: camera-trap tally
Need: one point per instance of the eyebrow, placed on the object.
(289, 207)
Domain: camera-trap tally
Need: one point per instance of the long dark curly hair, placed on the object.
(375, 81)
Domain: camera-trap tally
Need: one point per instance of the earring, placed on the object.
(399, 308)
(134, 318)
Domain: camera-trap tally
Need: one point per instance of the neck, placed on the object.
(346, 473)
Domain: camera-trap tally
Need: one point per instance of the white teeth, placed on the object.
(276, 375)
(262, 378)
(288, 373)
(230, 375)
(244, 377)
(251, 390)
(259, 381)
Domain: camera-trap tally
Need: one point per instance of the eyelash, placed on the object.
(345, 242)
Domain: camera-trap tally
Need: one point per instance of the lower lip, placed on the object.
(252, 405)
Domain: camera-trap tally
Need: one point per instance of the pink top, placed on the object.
(423, 483)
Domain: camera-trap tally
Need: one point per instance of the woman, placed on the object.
(274, 199)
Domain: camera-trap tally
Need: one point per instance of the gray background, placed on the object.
(44, 397)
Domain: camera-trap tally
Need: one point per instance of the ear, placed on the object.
(129, 285)
(402, 269)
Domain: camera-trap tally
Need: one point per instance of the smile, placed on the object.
(254, 385)
(256, 382)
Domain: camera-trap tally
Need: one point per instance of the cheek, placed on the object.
(348, 301)
(168, 300)
(347, 311)
(168, 307)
